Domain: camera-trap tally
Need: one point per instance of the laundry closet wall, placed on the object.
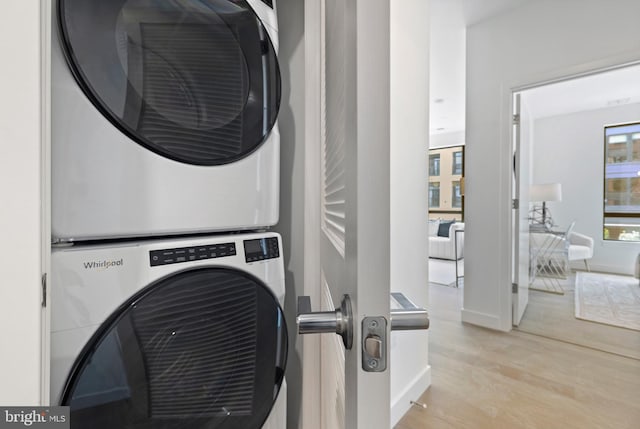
(291, 57)
(21, 209)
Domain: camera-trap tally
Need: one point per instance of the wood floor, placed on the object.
(486, 379)
(553, 316)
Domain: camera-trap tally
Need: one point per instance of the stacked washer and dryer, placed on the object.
(167, 287)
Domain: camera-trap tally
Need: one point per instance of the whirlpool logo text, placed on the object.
(103, 265)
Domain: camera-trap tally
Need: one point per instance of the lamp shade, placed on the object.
(545, 192)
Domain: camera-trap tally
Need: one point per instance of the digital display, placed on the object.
(260, 249)
(253, 246)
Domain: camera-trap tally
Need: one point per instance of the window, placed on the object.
(434, 194)
(456, 195)
(622, 183)
(457, 163)
(446, 188)
(434, 165)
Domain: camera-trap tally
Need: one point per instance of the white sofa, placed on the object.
(445, 247)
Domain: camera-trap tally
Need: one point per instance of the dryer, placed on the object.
(170, 333)
(163, 117)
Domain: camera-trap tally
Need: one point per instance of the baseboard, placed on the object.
(481, 319)
(401, 405)
(627, 270)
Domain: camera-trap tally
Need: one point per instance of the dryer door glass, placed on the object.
(204, 348)
(196, 81)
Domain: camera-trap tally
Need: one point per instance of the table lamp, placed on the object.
(544, 193)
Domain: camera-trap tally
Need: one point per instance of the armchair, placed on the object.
(561, 248)
(580, 247)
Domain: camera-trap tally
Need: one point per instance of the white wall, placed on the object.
(447, 72)
(575, 142)
(410, 371)
(291, 57)
(540, 41)
(20, 191)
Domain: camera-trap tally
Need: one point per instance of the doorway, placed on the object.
(562, 126)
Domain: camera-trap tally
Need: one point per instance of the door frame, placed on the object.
(46, 16)
(314, 53)
(564, 74)
(520, 291)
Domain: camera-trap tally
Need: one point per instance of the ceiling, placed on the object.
(598, 91)
(449, 19)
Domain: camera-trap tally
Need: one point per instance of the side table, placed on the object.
(549, 259)
(455, 247)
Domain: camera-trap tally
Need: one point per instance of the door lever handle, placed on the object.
(374, 328)
(409, 317)
(339, 321)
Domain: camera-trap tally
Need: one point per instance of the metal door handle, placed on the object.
(409, 317)
(374, 328)
(339, 321)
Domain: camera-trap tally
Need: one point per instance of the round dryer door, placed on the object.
(196, 81)
(203, 348)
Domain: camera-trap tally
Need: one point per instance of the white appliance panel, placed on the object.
(105, 185)
(89, 283)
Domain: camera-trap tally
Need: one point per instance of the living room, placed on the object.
(570, 154)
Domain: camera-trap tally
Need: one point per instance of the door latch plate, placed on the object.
(374, 344)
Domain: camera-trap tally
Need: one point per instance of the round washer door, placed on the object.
(203, 348)
(196, 81)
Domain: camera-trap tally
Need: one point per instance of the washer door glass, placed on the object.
(204, 348)
(196, 81)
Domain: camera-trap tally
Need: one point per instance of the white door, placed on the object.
(521, 160)
(347, 202)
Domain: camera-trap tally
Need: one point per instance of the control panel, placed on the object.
(261, 249)
(193, 253)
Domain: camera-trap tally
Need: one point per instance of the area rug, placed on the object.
(443, 272)
(609, 299)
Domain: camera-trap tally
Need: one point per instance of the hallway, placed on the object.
(487, 379)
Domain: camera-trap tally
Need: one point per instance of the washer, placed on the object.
(170, 333)
(164, 117)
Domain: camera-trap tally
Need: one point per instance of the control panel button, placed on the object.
(187, 254)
